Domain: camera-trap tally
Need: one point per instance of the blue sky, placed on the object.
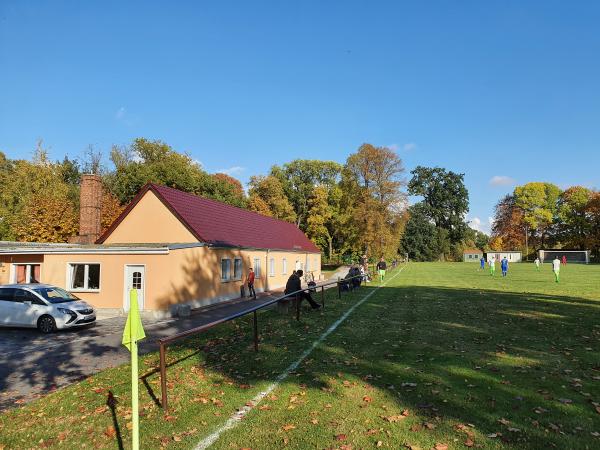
(505, 92)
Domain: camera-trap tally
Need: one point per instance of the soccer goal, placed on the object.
(573, 256)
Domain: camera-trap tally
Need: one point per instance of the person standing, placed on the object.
(250, 283)
(556, 269)
(492, 263)
(482, 263)
(564, 260)
(381, 267)
(537, 263)
(504, 266)
(294, 284)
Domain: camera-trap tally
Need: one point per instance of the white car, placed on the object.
(42, 306)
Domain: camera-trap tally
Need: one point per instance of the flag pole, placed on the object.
(135, 440)
(135, 444)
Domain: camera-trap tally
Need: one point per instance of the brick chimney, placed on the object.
(90, 209)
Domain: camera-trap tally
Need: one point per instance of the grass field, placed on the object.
(442, 356)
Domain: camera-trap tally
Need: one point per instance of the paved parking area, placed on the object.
(32, 364)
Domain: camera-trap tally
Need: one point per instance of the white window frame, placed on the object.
(241, 274)
(284, 268)
(257, 268)
(13, 270)
(228, 278)
(272, 267)
(86, 272)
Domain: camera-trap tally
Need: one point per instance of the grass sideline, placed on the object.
(444, 355)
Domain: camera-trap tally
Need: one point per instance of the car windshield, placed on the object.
(56, 295)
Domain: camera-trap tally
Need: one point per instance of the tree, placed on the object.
(538, 201)
(445, 198)
(270, 191)
(111, 210)
(299, 179)
(509, 224)
(593, 213)
(372, 181)
(319, 217)
(574, 223)
(46, 217)
(155, 161)
(420, 239)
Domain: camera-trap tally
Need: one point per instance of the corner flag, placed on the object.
(133, 332)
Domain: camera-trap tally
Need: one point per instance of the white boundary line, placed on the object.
(236, 418)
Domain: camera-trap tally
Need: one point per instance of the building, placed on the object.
(174, 247)
(512, 256)
(472, 255)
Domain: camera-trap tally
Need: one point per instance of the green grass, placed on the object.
(443, 354)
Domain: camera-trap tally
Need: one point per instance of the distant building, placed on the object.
(512, 256)
(472, 255)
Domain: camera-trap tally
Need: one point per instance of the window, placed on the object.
(84, 277)
(21, 296)
(27, 273)
(257, 267)
(136, 280)
(284, 262)
(7, 294)
(237, 269)
(272, 267)
(225, 269)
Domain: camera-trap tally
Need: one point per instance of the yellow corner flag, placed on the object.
(133, 332)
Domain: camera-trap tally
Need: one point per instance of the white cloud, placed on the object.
(475, 223)
(409, 147)
(502, 180)
(232, 171)
(479, 225)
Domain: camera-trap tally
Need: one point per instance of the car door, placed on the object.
(14, 311)
(25, 308)
(7, 310)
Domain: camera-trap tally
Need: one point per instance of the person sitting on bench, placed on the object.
(294, 284)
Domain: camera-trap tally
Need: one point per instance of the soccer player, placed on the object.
(482, 262)
(556, 269)
(381, 267)
(537, 263)
(504, 266)
(492, 263)
(564, 260)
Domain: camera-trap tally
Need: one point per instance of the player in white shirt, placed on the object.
(556, 268)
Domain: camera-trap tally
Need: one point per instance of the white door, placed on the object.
(135, 278)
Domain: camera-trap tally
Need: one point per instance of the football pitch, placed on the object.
(441, 355)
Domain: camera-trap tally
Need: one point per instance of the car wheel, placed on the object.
(46, 324)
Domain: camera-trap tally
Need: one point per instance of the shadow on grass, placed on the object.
(461, 355)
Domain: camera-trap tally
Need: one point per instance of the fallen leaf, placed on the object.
(110, 432)
(341, 437)
(367, 399)
(288, 427)
(440, 446)
(379, 443)
(469, 443)
(391, 419)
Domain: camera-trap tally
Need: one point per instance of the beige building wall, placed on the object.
(150, 221)
(191, 276)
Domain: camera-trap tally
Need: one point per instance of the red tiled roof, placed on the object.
(472, 252)
(219, 224)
